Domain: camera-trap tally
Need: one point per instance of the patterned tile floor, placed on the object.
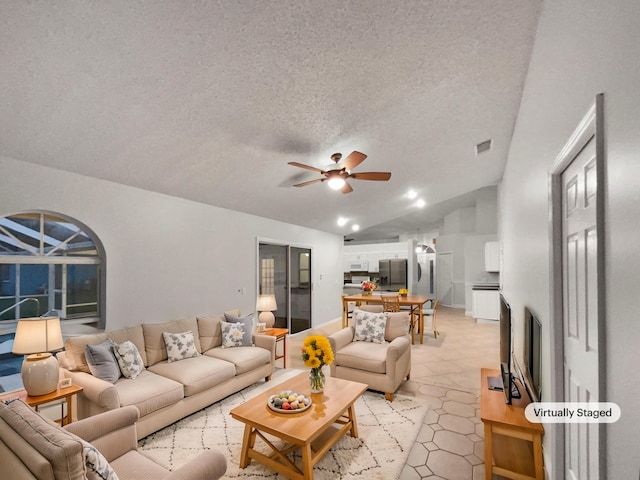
(446, 373)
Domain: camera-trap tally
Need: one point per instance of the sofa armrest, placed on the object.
(267, 342)
(100, 392)
(113, 433)
(341, 339)
(210, 465)
(396, 348)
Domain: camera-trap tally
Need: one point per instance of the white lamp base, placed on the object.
(40, 374)
(268, 318)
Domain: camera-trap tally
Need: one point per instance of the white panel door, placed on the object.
(580, 316)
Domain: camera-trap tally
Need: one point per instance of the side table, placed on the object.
(281, 336)
(61, 393)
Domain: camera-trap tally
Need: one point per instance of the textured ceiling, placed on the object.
(209, 100)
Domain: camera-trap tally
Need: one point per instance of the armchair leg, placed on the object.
(388, 396)
(266, 379)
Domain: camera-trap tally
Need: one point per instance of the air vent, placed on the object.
(483, 146)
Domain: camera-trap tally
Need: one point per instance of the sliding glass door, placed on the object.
(285, 272)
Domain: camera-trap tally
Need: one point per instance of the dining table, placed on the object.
(415, 302)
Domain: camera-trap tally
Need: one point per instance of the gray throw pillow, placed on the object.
(247, 327)
(102, 361)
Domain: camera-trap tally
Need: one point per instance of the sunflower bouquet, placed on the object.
(316, 351)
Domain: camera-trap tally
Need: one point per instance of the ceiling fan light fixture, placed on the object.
(336, 182)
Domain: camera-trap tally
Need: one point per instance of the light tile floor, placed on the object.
(446, 373)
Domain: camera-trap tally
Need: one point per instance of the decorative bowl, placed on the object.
(295, 402)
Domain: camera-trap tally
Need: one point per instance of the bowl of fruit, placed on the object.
(289, 401)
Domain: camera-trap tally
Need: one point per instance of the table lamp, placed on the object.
(37, 337)
(266, 306)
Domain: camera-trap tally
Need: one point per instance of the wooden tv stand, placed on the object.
(512, 444)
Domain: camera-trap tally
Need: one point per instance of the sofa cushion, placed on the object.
(367, 356)
(369, 327)
(149, 392)
(234, 335)
(102, 361)
(247, 326)
(63, 450)
(179, 346)
(154, 341)
(196, 374)
(397, 325)
(74, 358)
(129, 359)
(245, 359)
(210, 331)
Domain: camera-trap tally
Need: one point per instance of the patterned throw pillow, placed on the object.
(129, 359)
(180, 346)
(369, 326)
(232, 334)
(97, 466)
(247, 327)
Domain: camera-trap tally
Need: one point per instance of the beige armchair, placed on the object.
(383, 366)
(32, 447)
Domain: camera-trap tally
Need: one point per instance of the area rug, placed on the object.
(387, 432)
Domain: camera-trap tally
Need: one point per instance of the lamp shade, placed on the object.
(37, 335)
(266, 303)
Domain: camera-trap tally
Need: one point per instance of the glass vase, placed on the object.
(316, 380)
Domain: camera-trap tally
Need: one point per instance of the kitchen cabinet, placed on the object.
(486, 304)
(492, 256)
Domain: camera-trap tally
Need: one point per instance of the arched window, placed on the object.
(49, 262)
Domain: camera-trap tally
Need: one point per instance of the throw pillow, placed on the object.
(369, 327)
(97, 466)
(129, 359)
(247, 327)
(232, 334)
(102, 361)
(180, 346)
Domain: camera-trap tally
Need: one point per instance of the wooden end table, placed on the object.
(314, 431)
(66, 393)
(512, 444)
(281, 336)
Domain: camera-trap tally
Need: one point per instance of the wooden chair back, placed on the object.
(390, 303)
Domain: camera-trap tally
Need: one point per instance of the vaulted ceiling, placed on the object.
(209, 100)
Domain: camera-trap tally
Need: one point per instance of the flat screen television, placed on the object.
(532, 355)
(508, 384)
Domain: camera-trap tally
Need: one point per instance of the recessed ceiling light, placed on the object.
(412, 194)
(355, 227)
(420, 203)
(342, 221)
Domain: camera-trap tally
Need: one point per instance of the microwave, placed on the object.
(360, 266)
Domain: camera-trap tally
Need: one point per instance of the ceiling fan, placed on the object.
(337, 177)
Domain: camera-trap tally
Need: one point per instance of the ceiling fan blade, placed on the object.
(307, 167)
(353, 160)
(377, 176)
(310, 182)
(347, 188)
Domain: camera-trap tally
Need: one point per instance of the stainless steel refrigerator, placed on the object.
(393, 274)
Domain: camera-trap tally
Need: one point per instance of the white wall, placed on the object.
(168, 258)
(582, 47)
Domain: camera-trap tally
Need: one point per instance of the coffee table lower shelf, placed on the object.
(331, 416)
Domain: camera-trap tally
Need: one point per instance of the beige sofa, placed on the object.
(32, 447)
(165, 392)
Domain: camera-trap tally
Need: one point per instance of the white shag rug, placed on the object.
(386, 430)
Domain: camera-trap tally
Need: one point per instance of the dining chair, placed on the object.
(431, 312)
(391, 304)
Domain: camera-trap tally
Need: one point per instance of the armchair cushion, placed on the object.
(370, 357)
(397, 325)
(369, 327)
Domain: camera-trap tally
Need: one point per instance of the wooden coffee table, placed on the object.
(314, 431)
